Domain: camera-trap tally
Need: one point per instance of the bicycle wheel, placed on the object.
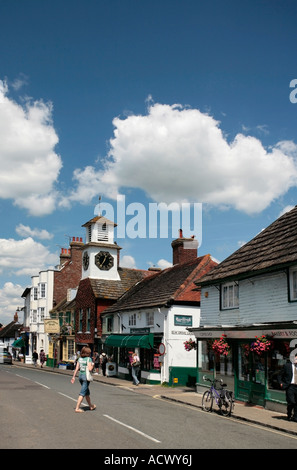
(226, 404)
(207, 400)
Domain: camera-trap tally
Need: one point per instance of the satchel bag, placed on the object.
(88, 374)
(136, 364)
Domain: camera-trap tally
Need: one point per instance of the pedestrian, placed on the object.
(103, 363)
(135, 363)
(42, 358)
(96, 359)
(287, 379)
(35, 357)
(83, 362)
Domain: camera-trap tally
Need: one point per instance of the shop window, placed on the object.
(276, 358)
(229, 295)
(215, 365)
(293, 283)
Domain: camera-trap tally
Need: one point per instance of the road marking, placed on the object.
(67, 396)
(42, 385)
(133, 429)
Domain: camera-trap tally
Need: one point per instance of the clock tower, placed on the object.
(100, 253)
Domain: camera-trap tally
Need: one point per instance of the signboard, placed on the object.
(246, 334)
(182, 320)
(161, 349)
(51, 325)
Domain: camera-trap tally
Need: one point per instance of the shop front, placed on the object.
(119, 347)
(248, 359)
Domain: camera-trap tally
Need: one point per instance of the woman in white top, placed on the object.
(83, 362)
(135, 368)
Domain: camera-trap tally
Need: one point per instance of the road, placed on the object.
(37, 412)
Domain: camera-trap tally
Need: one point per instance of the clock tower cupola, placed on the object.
(100, 253)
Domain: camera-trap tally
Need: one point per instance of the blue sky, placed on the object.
(158, 101)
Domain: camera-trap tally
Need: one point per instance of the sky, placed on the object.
(180, 103)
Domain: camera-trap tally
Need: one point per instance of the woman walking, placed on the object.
(83, 363)
(135, 368)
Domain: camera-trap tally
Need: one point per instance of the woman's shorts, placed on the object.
(84, 391)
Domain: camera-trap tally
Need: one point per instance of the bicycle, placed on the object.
(223, 397)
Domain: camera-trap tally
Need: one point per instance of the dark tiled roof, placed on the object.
(9, 330)
(164, 287)
(106, 289)
(272, 249)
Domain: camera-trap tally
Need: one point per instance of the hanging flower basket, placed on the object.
(190, 344)
(221, 346)
(261, 345)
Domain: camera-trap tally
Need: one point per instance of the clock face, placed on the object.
(104, 260)
(86, 260)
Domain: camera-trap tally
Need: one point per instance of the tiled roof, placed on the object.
(9, 330)
(273, 248)
(175, 284)
(106, 289)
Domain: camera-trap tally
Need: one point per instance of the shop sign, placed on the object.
(182, 320)
(51, 325)
(246, 334)
(140, 331)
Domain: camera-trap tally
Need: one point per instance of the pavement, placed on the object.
(188, 396)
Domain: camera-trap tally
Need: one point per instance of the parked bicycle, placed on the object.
(223, 397)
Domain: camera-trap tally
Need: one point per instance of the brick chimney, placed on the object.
(184, 249)
(76, 246)
(64, 255)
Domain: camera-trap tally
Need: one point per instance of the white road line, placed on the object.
(133, 429)
(45, 386)
(63, 394)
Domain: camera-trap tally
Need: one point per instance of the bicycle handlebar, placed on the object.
(206, 379)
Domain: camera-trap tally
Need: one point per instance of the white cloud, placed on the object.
(286, 209)
(24, 257)
(163, 264)
(128, 261)
(26, 231)
(10, 300)
(178, 154)
(29, 164)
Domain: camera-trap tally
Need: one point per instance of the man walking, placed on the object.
(288, 381)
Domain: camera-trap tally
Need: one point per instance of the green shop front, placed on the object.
(248, 359)
(121, 346)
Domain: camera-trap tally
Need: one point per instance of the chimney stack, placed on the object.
(184, 249)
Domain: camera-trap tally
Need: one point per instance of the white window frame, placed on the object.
(42, 290)
(33, 315)
(293, 283)
(229, 295)
(132, 319)
(41, 313)
(149, 318)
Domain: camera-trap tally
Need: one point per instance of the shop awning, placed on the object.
(18, 343)
(130, 341)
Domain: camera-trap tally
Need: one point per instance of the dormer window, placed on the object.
(229, 295)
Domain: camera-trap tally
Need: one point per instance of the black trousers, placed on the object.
(291, 396)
